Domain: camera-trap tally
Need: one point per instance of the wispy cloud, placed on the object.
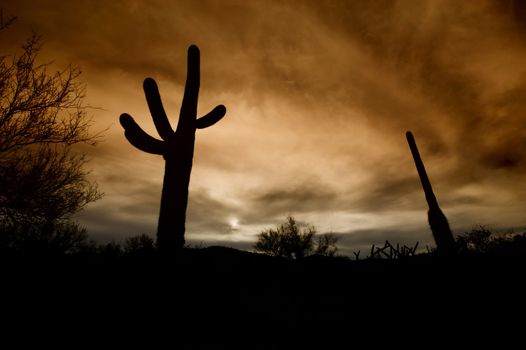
(319, 95)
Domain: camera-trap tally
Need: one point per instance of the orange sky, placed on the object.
(319, 96)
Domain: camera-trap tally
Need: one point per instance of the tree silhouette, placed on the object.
(139, 244)
(480, 240)
(289, 241)
(42, 116)
(65, 238)
(177, 148)
(437, 220)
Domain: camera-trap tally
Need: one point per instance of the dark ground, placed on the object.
(224, 298)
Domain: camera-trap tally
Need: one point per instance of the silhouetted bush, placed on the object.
(481, 240)
(139, 244)
(289, 241)
(326, 244)
(110, 250)
(63, 238)
(510, 245)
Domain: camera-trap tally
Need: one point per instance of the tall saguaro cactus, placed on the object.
(437, 220)
(177, 148)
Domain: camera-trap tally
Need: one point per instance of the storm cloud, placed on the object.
(319, 96)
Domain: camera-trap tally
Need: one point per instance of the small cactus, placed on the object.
(177, 148)
(437, 220)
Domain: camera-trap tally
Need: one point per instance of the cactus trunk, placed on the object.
(174, 201)
(437, 220)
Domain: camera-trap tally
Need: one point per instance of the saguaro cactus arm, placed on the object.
(211, 118)
(138, 138)
(153, 98)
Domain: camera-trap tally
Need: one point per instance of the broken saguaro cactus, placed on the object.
(177, 148)
(437, 220)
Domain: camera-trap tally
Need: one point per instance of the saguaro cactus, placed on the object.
(437, 220)
(177, 148)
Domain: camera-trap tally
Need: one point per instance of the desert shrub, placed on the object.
(326, 244)
(110, 250)
(478, 240)
(139, 244)
(290, 241)
(62, 238)
(481, 240)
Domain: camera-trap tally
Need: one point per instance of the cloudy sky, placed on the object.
(319, 95)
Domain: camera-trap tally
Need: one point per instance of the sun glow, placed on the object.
(234, 223)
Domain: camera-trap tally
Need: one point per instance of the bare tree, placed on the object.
(42, 117)
(37, 107)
